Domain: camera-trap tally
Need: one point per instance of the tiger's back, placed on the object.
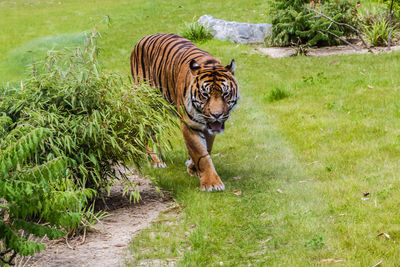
(162, 60)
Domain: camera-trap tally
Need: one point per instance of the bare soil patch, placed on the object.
(280, 52)
(106, 245)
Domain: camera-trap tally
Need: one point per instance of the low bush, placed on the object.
(62, 132)
(293, 24)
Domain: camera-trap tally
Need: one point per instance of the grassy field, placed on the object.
(302, 163)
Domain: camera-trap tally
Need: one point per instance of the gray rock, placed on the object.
(235, 31)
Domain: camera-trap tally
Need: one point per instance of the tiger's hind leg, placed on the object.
(157, 163)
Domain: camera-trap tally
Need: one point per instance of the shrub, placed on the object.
(33, 188)
(96, 118)
(293, 24)
(196, 32)
(63, 131)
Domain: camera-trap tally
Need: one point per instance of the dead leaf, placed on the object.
(237, 177)
(279, 191)
(385, 235)
(335, 61)
(238, 192)
(370, 86)
(331, 260)
(365, 194)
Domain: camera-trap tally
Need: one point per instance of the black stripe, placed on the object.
(160, 55)
(151, 37)
(210, 61)
(169, 49)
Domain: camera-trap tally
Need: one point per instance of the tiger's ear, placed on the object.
(194, 67)
(232, 66)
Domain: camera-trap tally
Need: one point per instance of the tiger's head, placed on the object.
(213, 94)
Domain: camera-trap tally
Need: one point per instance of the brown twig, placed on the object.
(66, 241)
(344, 40)
(342, 24)
(390, 25)
(84, 236)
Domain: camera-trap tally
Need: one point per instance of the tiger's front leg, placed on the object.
(197, 147)
(191, 167)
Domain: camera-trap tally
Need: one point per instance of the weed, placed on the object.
(315, 243)
(318, 78)
(277, 94)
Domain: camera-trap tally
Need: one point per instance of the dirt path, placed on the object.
(279, 52)
(107, 246)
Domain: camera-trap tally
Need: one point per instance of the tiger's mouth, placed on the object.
(216, 127)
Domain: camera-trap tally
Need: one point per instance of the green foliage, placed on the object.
(370, 14)
(96, 119)
(395, 8)
(378, 32)
(32, 189)
(63, 130)
(376, 25)
(196, 32)
(315, 243)
(294, 24)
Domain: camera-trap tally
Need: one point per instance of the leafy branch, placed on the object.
(357, 32)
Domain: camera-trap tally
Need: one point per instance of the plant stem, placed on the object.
(344, 41)
(342, 24)
(390, 25)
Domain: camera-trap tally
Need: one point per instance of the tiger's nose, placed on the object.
(216, 115)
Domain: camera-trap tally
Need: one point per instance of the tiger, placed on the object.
(203, 91)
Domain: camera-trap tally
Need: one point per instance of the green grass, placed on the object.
(335, 137)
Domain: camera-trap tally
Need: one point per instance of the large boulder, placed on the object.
(235, 31)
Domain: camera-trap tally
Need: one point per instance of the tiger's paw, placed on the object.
(191, 169)
(160, 165)
(212, 183)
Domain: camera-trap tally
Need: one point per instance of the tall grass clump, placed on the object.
(63, 131)
(378, 32)
(196, 32)
(277, 94)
